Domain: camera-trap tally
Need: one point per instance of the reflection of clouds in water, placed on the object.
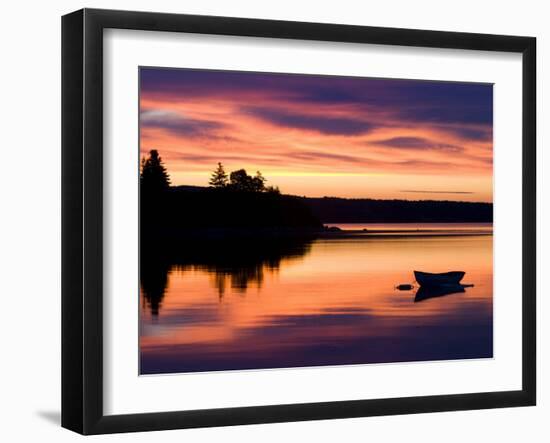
(334, 304)
(199, 314)
(330, 339)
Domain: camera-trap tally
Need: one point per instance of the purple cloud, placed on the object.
(322, 124)
(418, 143)
(178, 124)
(313, 155)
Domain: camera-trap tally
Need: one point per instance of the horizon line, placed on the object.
(365, 198)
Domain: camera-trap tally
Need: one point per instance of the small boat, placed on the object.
(445, 278)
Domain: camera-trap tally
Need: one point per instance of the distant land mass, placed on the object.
(339, 210)
(364, 210)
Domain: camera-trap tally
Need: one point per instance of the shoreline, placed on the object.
(238, 234)
(377, 233)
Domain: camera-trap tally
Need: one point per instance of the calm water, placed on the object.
(447, 227)
(316, 302)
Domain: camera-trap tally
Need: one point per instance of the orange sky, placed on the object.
(320, 135)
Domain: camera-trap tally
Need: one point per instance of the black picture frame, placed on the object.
(82, 220)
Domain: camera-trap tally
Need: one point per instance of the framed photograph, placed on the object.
(269, 221)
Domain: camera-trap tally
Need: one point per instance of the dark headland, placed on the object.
(216, 213)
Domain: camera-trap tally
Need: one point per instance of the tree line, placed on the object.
(240, 200)
(236, 200)
(154, 178)
(240, 181)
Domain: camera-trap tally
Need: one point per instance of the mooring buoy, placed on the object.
(404, 287)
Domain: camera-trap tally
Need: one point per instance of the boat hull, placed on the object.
(445, 278)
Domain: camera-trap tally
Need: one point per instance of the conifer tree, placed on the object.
(219, 177)
(154, 177)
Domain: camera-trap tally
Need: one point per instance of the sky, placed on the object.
(317, 135)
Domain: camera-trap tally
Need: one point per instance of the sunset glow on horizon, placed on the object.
(317, 136)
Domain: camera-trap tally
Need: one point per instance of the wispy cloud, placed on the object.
(178, 124)
(413, 191)
(400, 131)
(418, 143)
(312, 156)
(320, 123)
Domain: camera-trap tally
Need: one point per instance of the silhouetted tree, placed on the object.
(154, 177)
(219, 177)
(258, 182)
(240, 181)
(272, 190)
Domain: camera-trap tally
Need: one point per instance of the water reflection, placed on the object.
(312, 302)
(229, 264)
(154, 281)
(427, 292)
